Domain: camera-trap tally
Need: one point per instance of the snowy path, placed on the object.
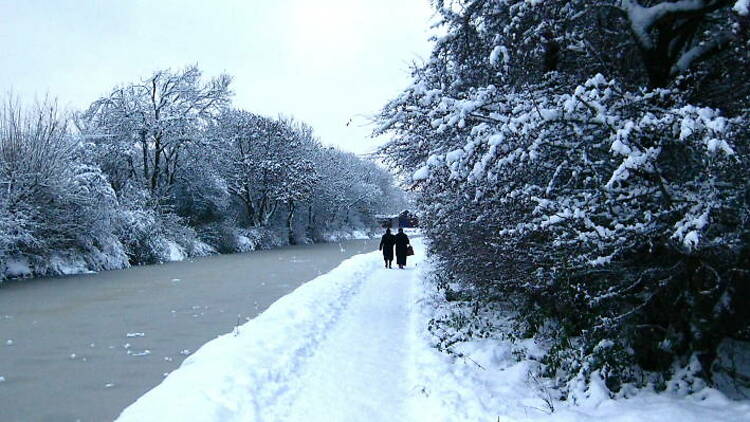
(336, 349)
(360, 372)
(352, 345)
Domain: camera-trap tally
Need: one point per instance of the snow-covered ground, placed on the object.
(339, 235)
(352, 345)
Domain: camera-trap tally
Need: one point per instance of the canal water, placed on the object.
(82, 348)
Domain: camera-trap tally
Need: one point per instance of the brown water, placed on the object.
(71, 357)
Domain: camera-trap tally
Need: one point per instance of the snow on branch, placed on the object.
(642, 18)
(701, 51)
(742, 7)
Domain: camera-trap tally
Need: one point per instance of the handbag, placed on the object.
(409, 251)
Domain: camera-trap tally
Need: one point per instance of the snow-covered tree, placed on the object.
(570, 158)
(351, 191)
(147, 128)
(267, 163)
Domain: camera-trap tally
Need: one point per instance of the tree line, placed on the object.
(165, 168)
(582, 166)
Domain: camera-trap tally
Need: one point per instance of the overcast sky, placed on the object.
(322, 61)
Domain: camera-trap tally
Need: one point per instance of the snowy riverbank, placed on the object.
(352, 345)
(114, 256)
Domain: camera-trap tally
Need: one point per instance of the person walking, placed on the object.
(386, 245)
(402, 246)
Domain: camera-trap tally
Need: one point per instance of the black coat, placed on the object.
(402, 241)
(386, 245)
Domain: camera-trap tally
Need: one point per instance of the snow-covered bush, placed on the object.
(52, 202)
(232, 238)
(613, 208)
(153, 235)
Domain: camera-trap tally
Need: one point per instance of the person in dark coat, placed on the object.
(386, 245)
(402, 243)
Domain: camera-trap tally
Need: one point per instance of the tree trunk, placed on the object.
(310, 221)
(290, 221)
(658, 61)
(144, 149)
(267, 216)
(251, 214)
(157, 159)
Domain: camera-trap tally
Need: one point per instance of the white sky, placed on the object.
(322, 61)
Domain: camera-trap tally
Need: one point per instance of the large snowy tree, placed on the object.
(147, 128)
(586, 159)
(267, 163)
